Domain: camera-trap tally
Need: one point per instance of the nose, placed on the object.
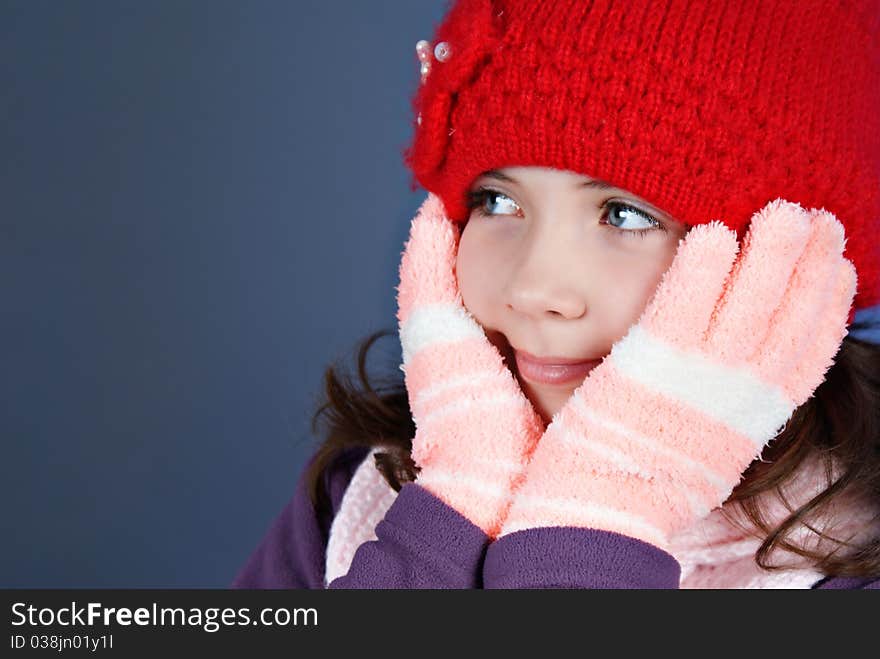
(543, 283)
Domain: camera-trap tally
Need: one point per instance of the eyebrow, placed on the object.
(596, 183)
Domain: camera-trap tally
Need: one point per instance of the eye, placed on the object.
(483, 200)
(616, 212)
(615, 215)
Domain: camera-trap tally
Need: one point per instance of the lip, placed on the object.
(552, 370)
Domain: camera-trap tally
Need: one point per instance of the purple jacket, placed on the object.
(423, 543)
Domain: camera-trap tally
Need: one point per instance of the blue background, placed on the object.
(203, 206)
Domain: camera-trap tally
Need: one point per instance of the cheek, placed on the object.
(477, 278)
(631, 283)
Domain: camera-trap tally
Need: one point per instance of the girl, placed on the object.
(637, 310)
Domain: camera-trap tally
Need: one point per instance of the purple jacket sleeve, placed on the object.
(848, 583)
(421, 543)
(567, 557)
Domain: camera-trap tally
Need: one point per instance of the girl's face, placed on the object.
(552, 263)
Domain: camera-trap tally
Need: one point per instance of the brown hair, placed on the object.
(840, 423)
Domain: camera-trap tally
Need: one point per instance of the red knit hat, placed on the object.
(708, 110)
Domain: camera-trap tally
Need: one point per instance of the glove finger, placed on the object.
(427, 266)
(680, 310)
(430, 308)
(831, 323)
(776, 239)
(805, 312)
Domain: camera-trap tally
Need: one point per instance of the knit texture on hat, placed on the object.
(708, 110)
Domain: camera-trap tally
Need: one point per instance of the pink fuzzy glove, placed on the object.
(661, 431)
(474, 427)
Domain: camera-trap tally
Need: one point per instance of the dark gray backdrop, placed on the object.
(202, 205)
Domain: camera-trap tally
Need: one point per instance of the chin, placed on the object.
(547, 401)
